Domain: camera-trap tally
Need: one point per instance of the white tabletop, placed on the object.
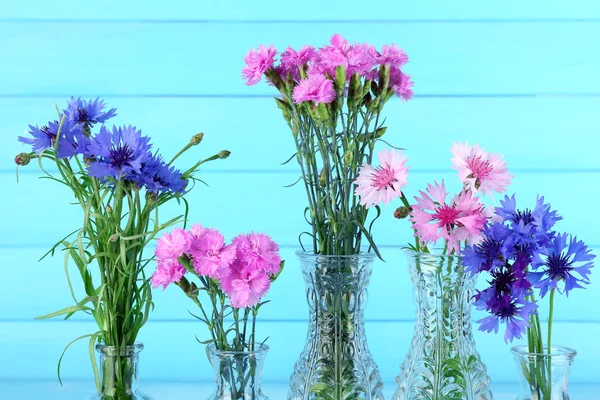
(79, 390)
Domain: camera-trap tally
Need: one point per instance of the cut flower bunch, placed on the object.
(332, 99)
(527, 261)
(120, 183)
(232, 279)
(442, 362)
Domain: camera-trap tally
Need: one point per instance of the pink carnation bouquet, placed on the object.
(232, 278)
(332, 99)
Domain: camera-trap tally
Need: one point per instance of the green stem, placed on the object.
(549, 344)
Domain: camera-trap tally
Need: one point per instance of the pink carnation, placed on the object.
(167, 272)
(392, 56)
(291, 60)
(258, 251)
(358, 58)
(210, 254)
(245, 285)
(172, 245)
(460, 219)
(384, 183)
(197, 231)
(480, 170)
(257, 62)
(401, 84)
(315, 88)
(361, 59)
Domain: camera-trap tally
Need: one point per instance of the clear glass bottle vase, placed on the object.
(119, 373)
(336, 363)
(442, 362)
(544, 376)
(237, 374)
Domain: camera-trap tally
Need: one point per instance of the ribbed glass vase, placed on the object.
(119, 373)
(442, 362)
(336, 363)
(237, 374)
(544, 376)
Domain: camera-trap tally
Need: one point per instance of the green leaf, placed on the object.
(66, 310)
(93, 359)
(63, 354)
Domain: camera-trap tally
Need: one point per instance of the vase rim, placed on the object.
(557, 351)
(308, 254)
(112, 350)
(263, 349)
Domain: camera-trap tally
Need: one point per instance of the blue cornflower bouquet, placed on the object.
(120, 184)
(527, 261)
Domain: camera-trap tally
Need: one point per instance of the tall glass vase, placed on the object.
(238, 374)
(119, 373)
(442, 362)
(544, 376)
(336, 363)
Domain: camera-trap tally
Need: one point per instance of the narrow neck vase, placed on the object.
(237, 374)
(442, 362)
(336, 363)
(544, 376)
(119, 370)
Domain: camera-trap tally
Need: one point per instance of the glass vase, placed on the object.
(237, 373)
(119, 370)
(336, 363)
(442, 362)
(544, 376)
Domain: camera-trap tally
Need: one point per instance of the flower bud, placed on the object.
(323, 112)
(151, 197)
(273, 76)
(108, 209)
(348, 157)
(114, 237)
(196, 139)
(193, 290)
(184, 284)
(340, 79)
(22, 159)
(384, 77)
(402, 212)
(380, 132)
(223, 154)
(285, 109)
(367, 87)
(322, 177)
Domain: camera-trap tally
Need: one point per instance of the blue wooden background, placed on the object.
(519, 77)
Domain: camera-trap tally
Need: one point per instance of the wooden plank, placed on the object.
(278, 211)
(435, 10)
(549, 133)
(172, 353)
(185, 59)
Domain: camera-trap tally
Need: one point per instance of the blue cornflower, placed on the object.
(513, 311)
(118, 155)
(87, 113)
(72, 141)
(558, 262)
(158, 177)
(532, 229)
(493, 251)
(541, 218)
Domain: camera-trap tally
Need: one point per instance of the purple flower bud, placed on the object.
(22, 159)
